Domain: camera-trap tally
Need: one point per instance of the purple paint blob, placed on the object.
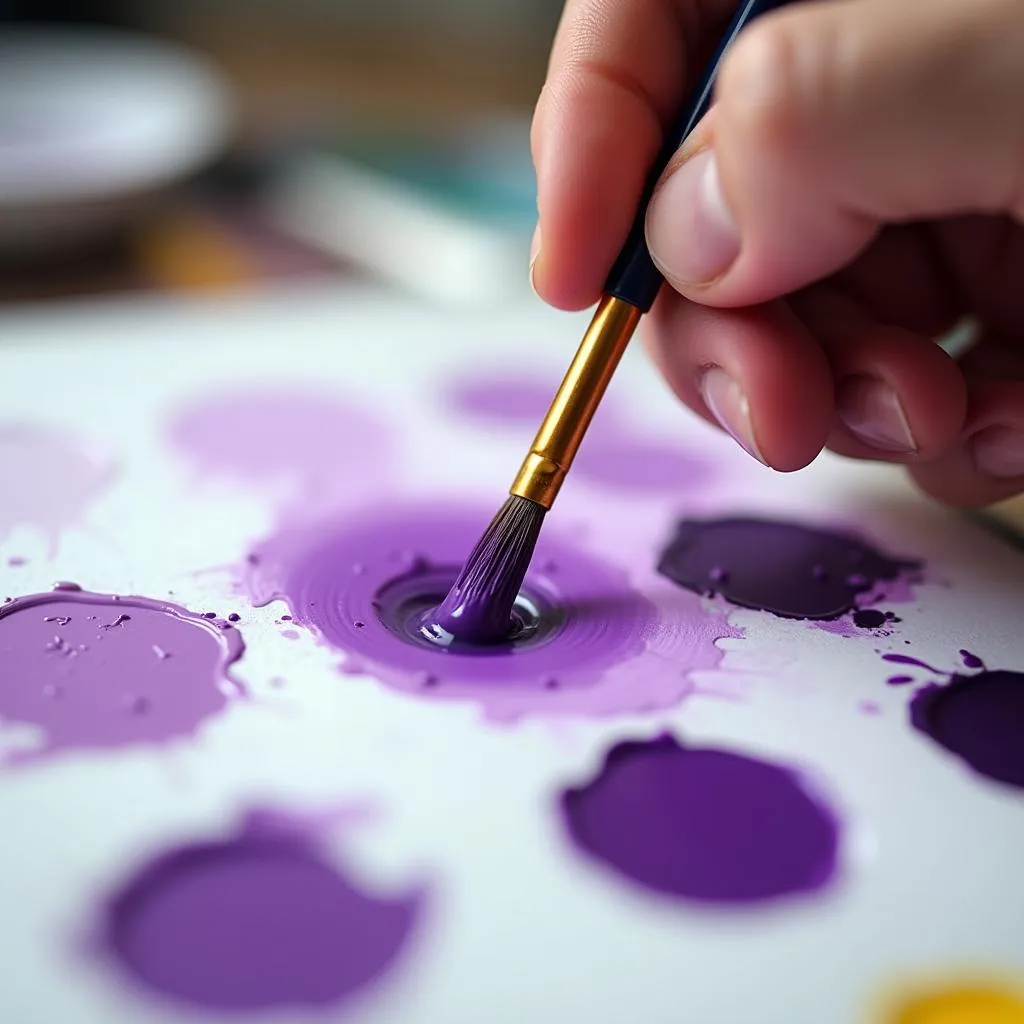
(791, 570)
(350, 581)
(319, 447)
(47, 480)
(611, 455)
(258, 921)
(971, 660)
(869, 618)
(100, 670)
(980, 719)
(899, 680)
(704, 825)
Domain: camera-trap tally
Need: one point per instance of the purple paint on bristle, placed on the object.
(478, 608)
(255, 922)
(149, 676)
(788, 569)
(980, 719)
(607, 645)
(704, 825)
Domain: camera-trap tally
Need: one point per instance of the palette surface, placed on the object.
(761, 759)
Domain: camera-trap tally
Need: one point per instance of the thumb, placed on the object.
(832, 119)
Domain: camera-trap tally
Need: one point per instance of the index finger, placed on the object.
(617, 75)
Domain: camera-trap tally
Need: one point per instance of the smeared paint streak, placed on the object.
(963, 1004)
(613, 651)
(320, 449)
(788, 569)
(612, 454)
(257, 921)
(980, 719)
(906, 659)
(47, 480)
(704, 825)
(101, 670)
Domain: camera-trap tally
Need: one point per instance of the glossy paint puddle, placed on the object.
(588, 643)
(101, 670)
(788, 569)
(258, 921)
(703, 825)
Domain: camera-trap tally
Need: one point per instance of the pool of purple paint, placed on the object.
(704, 825)
(789, 569)
(104, 670)
(258, 921)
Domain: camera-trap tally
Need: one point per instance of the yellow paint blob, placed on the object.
(964, 1005)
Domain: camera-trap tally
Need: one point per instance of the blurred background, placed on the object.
(225, 144)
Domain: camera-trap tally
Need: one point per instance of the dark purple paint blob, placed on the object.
(258, 921)
(788, 569)
(612, 455)
(704, 825)
(899, 680)
(362, 585)
(980, 719)
(47, 480)
(869, 618)
(971, 660)
(906, 659)
(320, 448)
(100, 670)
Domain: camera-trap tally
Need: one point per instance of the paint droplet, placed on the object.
(359, 625)
(980, 719)
(258, 921)
(65, 585)
(787, 569)
(180, 693)
(703, 824)
(869, 618)
(899, 680)
(119, 621)
(16, 561)
(971, 660)
(234, 617)
(286, 618)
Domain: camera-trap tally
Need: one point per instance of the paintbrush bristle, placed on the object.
(478, 608)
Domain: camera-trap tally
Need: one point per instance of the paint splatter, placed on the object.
(613, 651)
(612, 455)
(47, 480)
(980, 719)
(704, 825)
(257, 921)
(788, 569)
(962, 1004)
(321, 449)
(99, 670)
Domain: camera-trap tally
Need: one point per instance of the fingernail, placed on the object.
(999, 452)
(691, 234)
(872, 412)
(727, 402)
(534, 253)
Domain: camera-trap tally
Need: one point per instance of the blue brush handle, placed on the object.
(634, 278)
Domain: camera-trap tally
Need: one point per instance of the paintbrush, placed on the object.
(479, 607)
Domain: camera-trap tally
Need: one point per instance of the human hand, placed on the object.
(856, 190)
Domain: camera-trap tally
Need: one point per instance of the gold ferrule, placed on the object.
(581, 391)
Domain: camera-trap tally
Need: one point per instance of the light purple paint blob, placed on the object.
(980, 719)
(704, 825)
(788, 569)
(258, 921)
(612, 455)
(612, 650)
(47, 480)
(100, 670)
(320, 447)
